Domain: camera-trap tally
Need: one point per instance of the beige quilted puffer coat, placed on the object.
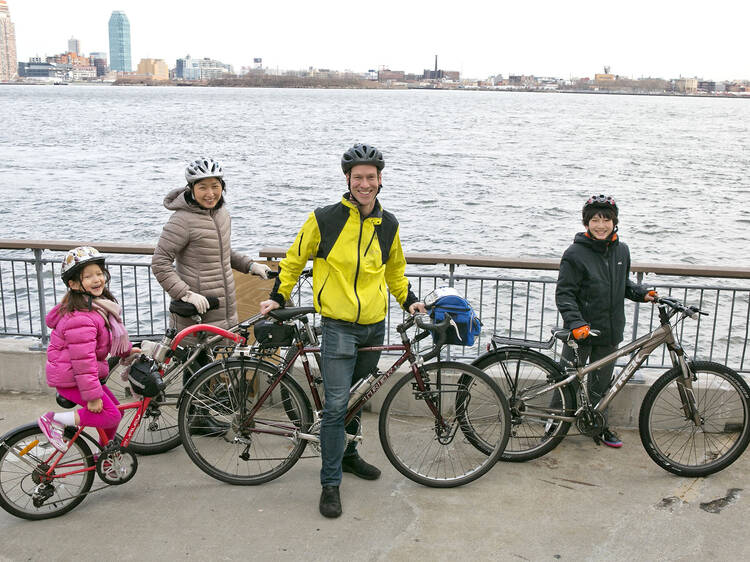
(194, 254)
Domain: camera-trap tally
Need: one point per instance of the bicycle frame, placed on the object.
(302, 351)
(54, 460)
(640, 350)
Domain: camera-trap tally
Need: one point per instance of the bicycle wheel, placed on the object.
(157, 431)
(674, 442)
(520, 373)
(247, 451)
(436, 451)
(25, 489)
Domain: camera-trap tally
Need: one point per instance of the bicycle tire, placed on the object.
(530, 437)
(157, 432)
(408, 428)
(679, 446)
(244, 454)
(17, 478)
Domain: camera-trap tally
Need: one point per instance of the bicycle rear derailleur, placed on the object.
(116, 465)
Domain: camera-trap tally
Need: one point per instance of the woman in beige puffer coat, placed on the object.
(194, 258)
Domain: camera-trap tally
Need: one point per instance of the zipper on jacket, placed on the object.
(370, 242)
(356, 272)
(221, 265)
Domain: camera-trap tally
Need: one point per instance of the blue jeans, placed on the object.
(341, 367)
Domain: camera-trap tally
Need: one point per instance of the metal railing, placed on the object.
(514, 297)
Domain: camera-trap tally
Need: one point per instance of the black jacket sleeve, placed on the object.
(568, 285)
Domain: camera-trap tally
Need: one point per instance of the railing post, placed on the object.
(40, 294)
(451, 271)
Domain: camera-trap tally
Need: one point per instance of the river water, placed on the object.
(466, 172)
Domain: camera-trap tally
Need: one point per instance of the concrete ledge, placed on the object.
(22, 370)
(22, 367)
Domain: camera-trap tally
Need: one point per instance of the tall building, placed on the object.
(156, 69)
(8, 62)
(74, 46)
(119, 42)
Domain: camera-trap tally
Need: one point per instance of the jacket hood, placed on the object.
(600, 246)
(53, 317)
(180, 199)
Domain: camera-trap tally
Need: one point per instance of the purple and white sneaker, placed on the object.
(52, 431)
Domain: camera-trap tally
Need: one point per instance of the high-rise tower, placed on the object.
(119, 42)
(74, 46)
(8, 62)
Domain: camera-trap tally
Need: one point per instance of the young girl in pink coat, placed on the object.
(86, 327)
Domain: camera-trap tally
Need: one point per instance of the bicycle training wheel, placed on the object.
(521, 373)
(245, 450)
(675, 442)
(423, 432)
(25, 489)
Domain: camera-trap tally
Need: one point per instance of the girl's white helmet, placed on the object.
(77, 258)
(203, 168)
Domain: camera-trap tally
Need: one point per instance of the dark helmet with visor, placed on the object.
(362, 154)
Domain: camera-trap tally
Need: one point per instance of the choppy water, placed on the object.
(466, 172)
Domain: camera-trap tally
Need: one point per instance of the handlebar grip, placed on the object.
(273, 274)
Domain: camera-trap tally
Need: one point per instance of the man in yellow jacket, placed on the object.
(357, 259)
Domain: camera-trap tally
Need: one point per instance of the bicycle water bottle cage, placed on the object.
(186, 310)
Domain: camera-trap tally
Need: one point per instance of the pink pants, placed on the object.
(108, 419)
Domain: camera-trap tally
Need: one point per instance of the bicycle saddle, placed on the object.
(181, 308)
(290, 312)
(64, 402)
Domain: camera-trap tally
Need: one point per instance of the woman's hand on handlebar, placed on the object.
(268, 305)
(261, 270)
(417, 307)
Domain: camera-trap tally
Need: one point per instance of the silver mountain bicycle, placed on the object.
(694, 420)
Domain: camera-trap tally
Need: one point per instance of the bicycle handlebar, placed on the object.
(677, 306)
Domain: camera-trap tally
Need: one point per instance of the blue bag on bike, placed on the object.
(466, 325)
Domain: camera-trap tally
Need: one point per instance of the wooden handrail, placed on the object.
(681, 270)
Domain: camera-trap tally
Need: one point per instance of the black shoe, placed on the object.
(360, 468)
(611, 439)
(206, 425)
(330, 502)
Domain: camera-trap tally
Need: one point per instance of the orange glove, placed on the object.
(582, 332)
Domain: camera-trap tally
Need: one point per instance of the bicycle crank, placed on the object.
(590, 422)
(116, 465)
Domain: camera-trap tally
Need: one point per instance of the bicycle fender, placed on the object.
(553, 365)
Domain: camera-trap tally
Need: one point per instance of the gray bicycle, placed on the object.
(694, 420)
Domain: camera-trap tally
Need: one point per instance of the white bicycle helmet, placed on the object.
(203, 168)
(77, 258)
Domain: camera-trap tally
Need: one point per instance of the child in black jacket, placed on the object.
(591, 287)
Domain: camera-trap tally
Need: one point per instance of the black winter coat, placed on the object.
(592, 285)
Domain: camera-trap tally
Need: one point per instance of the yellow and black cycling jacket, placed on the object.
(354, 259)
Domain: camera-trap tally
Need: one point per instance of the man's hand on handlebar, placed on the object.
(417, 307)
(651, 296)
(268, 305)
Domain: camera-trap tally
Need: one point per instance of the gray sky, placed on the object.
(658, 38)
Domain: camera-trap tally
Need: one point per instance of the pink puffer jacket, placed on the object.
(77, 351)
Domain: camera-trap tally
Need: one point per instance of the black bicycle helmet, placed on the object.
(362, 154)
(599, 202)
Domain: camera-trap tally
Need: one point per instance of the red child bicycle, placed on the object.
(39, 482)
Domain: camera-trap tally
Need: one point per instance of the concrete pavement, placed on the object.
(580, 502)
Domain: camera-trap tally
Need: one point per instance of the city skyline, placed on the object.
(542, 38)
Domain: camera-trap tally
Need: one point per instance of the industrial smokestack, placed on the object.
(435, 63)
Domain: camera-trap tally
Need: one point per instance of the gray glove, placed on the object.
(198, 301)
(260, 269)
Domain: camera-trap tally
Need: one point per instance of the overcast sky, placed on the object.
(479, 38)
